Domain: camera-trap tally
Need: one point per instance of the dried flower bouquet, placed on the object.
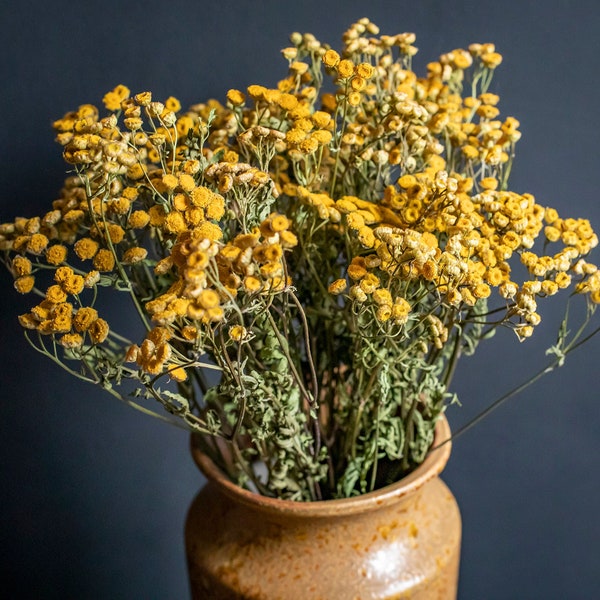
(307, 263)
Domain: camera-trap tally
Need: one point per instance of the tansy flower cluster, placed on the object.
(305, 262)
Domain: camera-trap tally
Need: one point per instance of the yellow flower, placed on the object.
(56, 294)
(86, 248)
(178, 374)
(201, 197)
(384, 312)
(252, 284)
(98, 331)
(524, 331)
(84, 318)
(338, 286)
(210, 231)
(288, 102)
(175, 223)
(256, 92)
(24, 284)
(429, 270)
(236, 97)
(354, 98)
(382, 297)
(134, 255)
(104, 260)
(143, 98)
(299, 67)
(112, 100)
(549, 287)
(400, 310)
(170, 181)
(356, 269)
(550, 215)
(172, 104)
(186, 182)
(345, 68)
(563, 280)
(61, 317)
(356, 293)
(208, 299)
(369, 283)
(491, 59)
(21, 265)
(273, 252)
(71, 340)
(364, 70)
(216, 208)
(355, 221)
(37, 243)
(288, 239)
(322, 136)
(366, 237)
(321, 119)
(482, 290)
(489, 183)
(56, 254)
(331, 58)
(138, 219)
(238, 333)
(271, 270)
(309, 145)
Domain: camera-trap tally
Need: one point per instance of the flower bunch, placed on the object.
(306, 262)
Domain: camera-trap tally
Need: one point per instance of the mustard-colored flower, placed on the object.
(256, 92)
(170, 182)
(56, 254)
(21, 265)
(172, 104)
(345, 68)
(236, 97)
(177, 373)
(104, 261)
(112, 100)
(134, 255)
(86, 248)
(369, 283)
(138, 219)
(143, 98)
(71, 340)
(61, 318)
(175, 222)
(210, 231)
(37, 243)
(252, 284)
(238, 333)
(84, 318)
(331, 58)
(208, 299)
(24, 284)
(98, 331)
(56, 294)
(338, 286)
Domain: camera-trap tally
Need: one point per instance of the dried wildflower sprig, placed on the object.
(327, 249)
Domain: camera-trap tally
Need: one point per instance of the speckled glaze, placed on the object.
(402, 541)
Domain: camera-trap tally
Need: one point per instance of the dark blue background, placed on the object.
(93, 495)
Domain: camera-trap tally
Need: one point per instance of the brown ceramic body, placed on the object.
(402, 541)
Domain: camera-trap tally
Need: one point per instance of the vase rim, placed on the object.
(431, 467)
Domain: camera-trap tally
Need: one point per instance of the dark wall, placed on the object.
(93, 495)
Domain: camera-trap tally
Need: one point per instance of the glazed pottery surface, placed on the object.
(402, 541)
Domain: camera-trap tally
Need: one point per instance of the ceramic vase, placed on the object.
(401, 541)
